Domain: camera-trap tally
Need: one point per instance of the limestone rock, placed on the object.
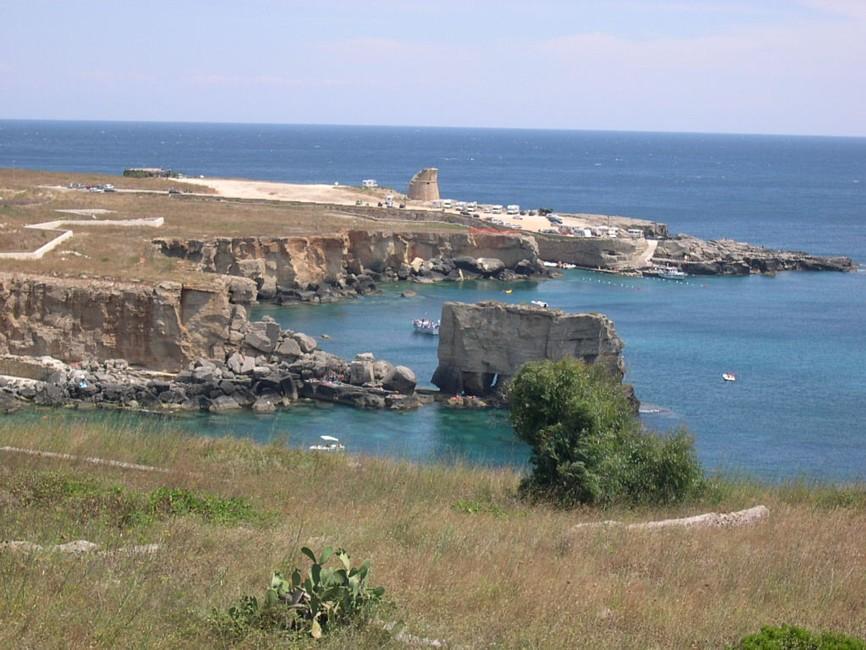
(306, 343)
(483, 345)
(402, 380)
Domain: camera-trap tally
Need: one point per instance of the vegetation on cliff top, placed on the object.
(461, 556)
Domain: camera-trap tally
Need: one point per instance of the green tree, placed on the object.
(587, 445)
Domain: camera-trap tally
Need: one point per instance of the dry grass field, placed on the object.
(28, 197)
(462, 559)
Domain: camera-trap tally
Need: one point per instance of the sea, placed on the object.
(796, 341)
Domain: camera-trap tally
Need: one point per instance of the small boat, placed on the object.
(424, 326)
(671, 273)
(508, 291)
(729, 376)
(539, 303)
(330, 444)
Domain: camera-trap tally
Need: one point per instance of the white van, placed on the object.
(513, 209)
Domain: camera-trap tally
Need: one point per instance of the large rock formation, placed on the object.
(482, 346)
(424, 185)
(615, 254)
(319, 268)
(162, 326)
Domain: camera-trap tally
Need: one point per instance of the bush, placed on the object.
(788, 637)
(587, 445)
(327, 598)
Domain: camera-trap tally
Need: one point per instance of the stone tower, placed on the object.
(424, 185)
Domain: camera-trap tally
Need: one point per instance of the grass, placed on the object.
(461, 557)
(32, 197)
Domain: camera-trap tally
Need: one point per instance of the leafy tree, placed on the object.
(587, 446)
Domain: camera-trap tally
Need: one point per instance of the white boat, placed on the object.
(330, 444)
(671, 273)
(424, 326)
(539, 303)
(729, 376)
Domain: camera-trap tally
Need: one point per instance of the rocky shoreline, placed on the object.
(261, 383)
(326, 269)
(729, 257)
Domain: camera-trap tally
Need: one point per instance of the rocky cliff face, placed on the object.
(613, 254)
(349, 263)
(162, 326)
(729, 257)
(482, 346)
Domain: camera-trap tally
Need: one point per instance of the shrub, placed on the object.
(327, 598)
(587, 446)
(788, 637)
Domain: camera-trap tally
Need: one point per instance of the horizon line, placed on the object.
(428, 126)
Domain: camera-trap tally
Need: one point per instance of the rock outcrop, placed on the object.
(162, 326)
(482, 346)
(247, 379)
(615, 254)
(424, 185)
(331, 267)
(729, 257)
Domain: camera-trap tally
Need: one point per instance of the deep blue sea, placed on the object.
(797, 341)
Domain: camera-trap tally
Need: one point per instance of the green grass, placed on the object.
(461, 557)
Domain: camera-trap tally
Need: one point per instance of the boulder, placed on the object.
(240, 364)
(401, 380)
(288, 347)
(265, 404)
(223, 403)
(361, 372)
(381, 370)
(306, 343)
(489, 265)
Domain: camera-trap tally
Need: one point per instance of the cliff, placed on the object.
(161, 327)
(482, 346)
(331, 265)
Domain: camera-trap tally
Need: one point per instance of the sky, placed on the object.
(759, 66)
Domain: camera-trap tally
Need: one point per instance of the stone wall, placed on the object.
(161, 327)
(482, 346)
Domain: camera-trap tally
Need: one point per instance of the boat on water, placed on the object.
(670, 273)
(329, 443)
(729, 376)
(424, 326)
(539, 303)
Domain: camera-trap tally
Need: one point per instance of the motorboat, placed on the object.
(671, 273)
(424, 326)
(329, 443)
(539, 303)
(729, 376)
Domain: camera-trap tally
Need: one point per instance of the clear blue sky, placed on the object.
(761, 66)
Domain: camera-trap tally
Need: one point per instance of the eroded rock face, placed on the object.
(326, 268)
(482, 346)
(161, 327)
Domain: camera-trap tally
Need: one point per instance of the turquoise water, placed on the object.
(796, 341)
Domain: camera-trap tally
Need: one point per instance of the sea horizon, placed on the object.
(438, 127)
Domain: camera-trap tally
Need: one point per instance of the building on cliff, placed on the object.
(424, 185)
